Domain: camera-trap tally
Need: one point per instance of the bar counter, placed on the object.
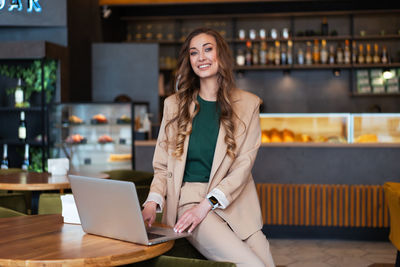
(312, 163)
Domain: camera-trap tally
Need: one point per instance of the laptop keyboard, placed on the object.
(153, 235)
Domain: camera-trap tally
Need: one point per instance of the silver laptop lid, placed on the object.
(109, 208)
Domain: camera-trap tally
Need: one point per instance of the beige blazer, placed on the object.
(232, 177)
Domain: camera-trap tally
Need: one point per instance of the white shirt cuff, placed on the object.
(220, 196)
(156, 198)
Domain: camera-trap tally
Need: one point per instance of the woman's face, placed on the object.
(203, 55)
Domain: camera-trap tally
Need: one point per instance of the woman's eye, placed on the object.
(208, 49)
(193, 53)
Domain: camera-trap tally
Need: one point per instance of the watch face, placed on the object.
(213, 200)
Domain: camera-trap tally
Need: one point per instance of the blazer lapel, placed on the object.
(180, 164)
(220, 149)
(220, 152)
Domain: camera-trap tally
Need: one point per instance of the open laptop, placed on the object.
(111, 208)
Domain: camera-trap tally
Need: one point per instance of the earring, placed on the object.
(177, 83)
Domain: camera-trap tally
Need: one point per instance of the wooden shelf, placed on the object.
(269, 39)
(255, 15)
(379, 65)
(327, 38)
(377, 37)
(295, 67)
(321, 66)
(263, 67)
(316, 66)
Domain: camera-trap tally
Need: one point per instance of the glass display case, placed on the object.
(376, 128)
(95, 136)
(336, 128)
(305, 127)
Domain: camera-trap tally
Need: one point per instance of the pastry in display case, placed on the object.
(99, 119)
(74, 120)
(95, 137)
(376, 128)
(305, 127)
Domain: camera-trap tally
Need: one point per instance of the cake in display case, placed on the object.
(95, 136)
(336, 128)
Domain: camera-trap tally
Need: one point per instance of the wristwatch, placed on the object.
(213, 202)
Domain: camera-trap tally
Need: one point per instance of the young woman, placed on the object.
(208, 140)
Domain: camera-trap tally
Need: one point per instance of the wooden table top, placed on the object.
(38, 181)
(44, 240)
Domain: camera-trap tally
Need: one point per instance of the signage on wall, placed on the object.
(31, 13)
(18, 6)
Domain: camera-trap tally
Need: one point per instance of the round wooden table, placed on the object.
(44, 240)
(39, 181)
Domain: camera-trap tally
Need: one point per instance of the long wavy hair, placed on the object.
(189, 86)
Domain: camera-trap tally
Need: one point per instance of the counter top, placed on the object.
(297, 144)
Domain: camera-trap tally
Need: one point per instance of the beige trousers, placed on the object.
(215, 239)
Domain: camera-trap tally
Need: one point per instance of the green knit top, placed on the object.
(202, 142)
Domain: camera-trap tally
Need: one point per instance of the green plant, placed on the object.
(36, 160)
(32, 77)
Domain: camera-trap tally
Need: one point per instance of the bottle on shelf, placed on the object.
(255, 54)
(339, 54)
(300, 56)
(283, 54)
(285, 33)
(331, 58)
(242, 34)
(316, 55)
(324, 52)
(324, 27)
(263, 53)
(354, 56)
(347, 53)
(277, 56)
(368, 57)
(290, 53)
(252, 34)
(240, 59)
(271, 55)
(25, 163)
(308, 56)
(384, 57)
(263, 34)
(248, 56)
(376, 58)
(361, 58)
(19, 95)
(4, 161)
(22, 127)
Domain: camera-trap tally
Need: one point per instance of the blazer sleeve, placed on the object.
(239, 172)
(158, 186)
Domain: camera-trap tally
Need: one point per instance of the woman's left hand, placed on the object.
(192, 217)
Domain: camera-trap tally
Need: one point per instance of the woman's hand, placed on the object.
(192, 217)
(149, 213)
